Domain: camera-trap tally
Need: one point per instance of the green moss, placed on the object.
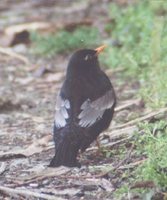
(64, 41)
(119, 193)
(153, 145)
(142, 32)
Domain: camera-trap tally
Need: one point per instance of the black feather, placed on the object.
(67, 145)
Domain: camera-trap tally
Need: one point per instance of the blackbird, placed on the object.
(84, 107)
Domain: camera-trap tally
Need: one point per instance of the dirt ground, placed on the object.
(27, 100)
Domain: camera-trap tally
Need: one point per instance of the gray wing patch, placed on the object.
(93, 111)
(61, 114)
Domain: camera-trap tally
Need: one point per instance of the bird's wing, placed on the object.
(92, 111)
(61, 115)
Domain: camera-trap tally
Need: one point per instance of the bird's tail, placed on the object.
(66, 154)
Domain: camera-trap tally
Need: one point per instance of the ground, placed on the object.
(28, 87)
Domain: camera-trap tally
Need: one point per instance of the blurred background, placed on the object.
(37, 38)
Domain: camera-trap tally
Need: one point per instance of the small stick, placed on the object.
(9, 52)
(147, 116)
(117, 133)
(3, 168)
(126, 105)
(13, 192)
(126, 157)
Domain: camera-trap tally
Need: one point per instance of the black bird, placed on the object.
(84, 107)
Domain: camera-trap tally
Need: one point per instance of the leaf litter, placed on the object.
(27, 100)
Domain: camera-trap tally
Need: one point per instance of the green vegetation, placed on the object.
(141, 29)
(142, 32)
(152, 144)
(64, 41)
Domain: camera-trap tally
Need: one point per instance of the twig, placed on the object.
(126, 105)
(109, 144)
(33, 26)
(126, 157)
(13, 192)
(46, 173)
(9, 52)
(117, 133)
(147, 116)
(131, 165)
(3, 167)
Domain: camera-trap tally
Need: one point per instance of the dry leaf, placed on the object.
(22, 37)
(36, 147)
(11, 30)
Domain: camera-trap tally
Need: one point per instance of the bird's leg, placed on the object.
(98, 143)
(79, 154)
(99, 148)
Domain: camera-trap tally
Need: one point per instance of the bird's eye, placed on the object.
(87, 57)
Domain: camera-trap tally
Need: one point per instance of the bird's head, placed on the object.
(85, 59)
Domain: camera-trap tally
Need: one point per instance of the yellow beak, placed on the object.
(100, 49)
